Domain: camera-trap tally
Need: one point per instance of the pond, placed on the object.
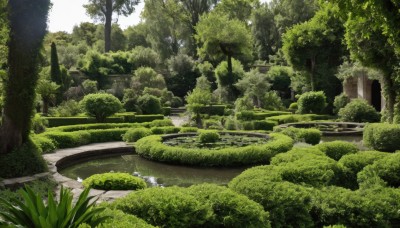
(155, 173)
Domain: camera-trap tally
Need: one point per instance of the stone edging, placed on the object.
(352, 128)
(64, 157)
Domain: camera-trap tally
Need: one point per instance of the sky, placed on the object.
(65, 14)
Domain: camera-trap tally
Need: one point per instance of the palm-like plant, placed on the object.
(34, 213)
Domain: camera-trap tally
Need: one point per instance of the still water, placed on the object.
(154, 173)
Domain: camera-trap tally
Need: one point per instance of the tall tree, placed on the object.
(27, 23)
(373, 38)
(104, 9)
(3, 33)
(237, 9)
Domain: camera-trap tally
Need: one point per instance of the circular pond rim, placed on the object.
(351, 128)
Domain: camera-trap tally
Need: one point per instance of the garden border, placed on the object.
(354, 132)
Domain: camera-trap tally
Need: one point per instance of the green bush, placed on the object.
(23, 161)
(118, 219)
(39, 124)
(106, 135)
(230, 208)
(356, 162)
(213, 110)
(46, 145)
(288, 204)
(340, 102)
(230, 124)
(114, 181)
(134, 135)
(209, 136)
(101, 105)
(68, 139)
(265, 125)
(293, 107)
(165, 130)
(358, 110)
(152, 147)
(165, 207)
(149, 104)
(247, 125)
(382, 136)
(337, 149)
(311, 102)
(166, 111)
(308, 135)
(294, 118)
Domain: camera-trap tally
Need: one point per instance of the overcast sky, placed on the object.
(67, 13)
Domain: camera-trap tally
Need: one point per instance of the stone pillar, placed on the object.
(350, 87)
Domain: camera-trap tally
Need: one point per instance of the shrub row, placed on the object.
(294, 118)
(152, 148)
(265, 125)
(203, 205)
(114, 181)
(257, 115)
(308, 135)
(128, 118)
(218, 110)
(382, 136)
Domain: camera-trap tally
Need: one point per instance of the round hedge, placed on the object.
(134, 135)
(101, 105)
(118, 219)
(209, 136)
(358, 110)
(337, 149)
(230, 208)
(382, 136)
(356, 162)
(308, 135)
(165, 207)
(152, 147)
(311, 102)
(114, 181)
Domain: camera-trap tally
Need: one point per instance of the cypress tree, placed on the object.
(55, 72)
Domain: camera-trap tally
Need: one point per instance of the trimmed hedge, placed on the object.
(118, 219)
(257, 115)
(165, 207)
(165, 130)
(133, 135)
(308, 135)
(119, 118)
(114, 181)
(188, 129)
(294, 118)
(207, 136)
(166, 111)
(311, 102)
(356, 162)
(213, 110)
(358, 110)
(337, 149)
(382, 136)
(151, 147)
(230, 208)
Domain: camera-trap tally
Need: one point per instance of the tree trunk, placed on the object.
(27, 23)
(45, 107)
(230, 76)
(390, 96)
(312, 75)
(107, 26)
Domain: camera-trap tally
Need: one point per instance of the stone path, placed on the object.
(179, 120)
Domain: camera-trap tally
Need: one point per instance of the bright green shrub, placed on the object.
(363, 208)
(288, 204)
(308, 135)
(212, 124)
(247, 125)
(165, 207)
(358, 110)
(208, 136)
(311, 102)
(39, 124)
(356, 162)
(149, 104)
(230, 124)
(133, 135)
(46, 145)
(114, 181)
(158, 123)
(213, 110)
(23, 161)
(118, 219)
(386, 168)
(382, 136)
(293, 107)
(266, 125)
(337, 149)
(106, 135)
(294, 118)
(152, 147)
(340, 101)
(165, 130)
(188, 129)
(101, 105)
(68, 139)
(230, 208)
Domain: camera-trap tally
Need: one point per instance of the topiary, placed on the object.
(118, 219)
(337, 149)
(207, 136)
(149, 104)
(132, 135)
(293, 107)
(165, 207)
(101, 105)
(230, 209)
(311, 102)
(382, 136)
(310, 135)
(340, 101)
(114, 181)
(356, 162)
(358, 110)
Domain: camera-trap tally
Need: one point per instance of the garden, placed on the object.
(248, 113)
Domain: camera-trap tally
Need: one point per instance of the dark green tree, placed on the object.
(55, 71)
(104, 10)
(27, 24)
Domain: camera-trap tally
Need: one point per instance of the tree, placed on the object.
(136, 36)
(3, 34)
(104, 9)
(199, 97)
(237, 9)
(226, 81)
(315, 48)
(85, 31)
(373, 38)
(47, 90)
(27, 24)
(101, 105)
(254, 84)
(220, 36)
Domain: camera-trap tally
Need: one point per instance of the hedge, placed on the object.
(294, 118)
(217, 110)
(166, 111)
(382, 136)
(133, 135)
(151, 147)
(118, 219)
(114, 181)
(119, 118)
(165, 207)
(257, 115)
(308, 135)
(337, 149)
